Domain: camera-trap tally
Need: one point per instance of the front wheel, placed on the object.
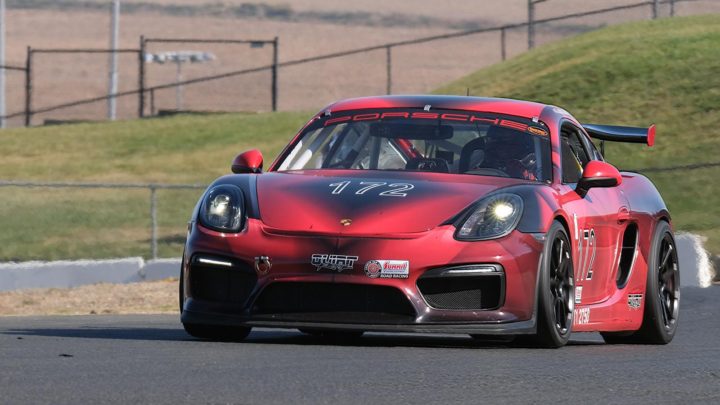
(556, 292)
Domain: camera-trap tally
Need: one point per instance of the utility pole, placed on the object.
(2, 63)
(531, 22)
(113, 82)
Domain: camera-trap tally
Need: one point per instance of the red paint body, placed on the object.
(293, 215)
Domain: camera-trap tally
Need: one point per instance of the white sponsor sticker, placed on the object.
(387, 268)
(578, 294)
(635, 301)
(582, 316)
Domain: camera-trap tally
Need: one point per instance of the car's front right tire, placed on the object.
(556, 291)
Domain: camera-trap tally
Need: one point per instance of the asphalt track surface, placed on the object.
(149, 359)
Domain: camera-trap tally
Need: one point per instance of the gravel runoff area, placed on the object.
(157, 297)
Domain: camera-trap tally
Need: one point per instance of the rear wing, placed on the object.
(621, 134)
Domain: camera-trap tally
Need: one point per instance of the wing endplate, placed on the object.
(615, 133)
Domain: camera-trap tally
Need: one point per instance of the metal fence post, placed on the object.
(503, 43)
(274, 83)
(153, 221)
(672, 8)
(152, 102)
(28, 87)
(388, 66)
(141, 78)
(655, 9)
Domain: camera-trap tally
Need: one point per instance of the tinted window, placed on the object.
(445, 142)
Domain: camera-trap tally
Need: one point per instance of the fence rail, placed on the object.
(152, 187)
(142, 90)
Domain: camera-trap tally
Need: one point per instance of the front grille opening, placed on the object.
(627, 255)
(335, 301)
(463, 293)
(231, 285)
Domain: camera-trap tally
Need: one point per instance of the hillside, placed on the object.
(663, 72)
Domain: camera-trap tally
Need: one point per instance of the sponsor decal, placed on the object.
(537, 131)
(333, 262)
(578, 294)
(582, 316)
(635, 301)
(373, 269)
(387, 268)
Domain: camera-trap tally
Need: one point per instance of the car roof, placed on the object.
(526, 109)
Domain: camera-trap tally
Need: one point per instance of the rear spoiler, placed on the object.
(622, 134)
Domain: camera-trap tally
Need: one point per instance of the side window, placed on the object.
(594, 152)
(574, 154)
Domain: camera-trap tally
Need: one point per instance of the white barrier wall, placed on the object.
(65, 274)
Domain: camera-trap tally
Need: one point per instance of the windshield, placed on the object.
(438, 141)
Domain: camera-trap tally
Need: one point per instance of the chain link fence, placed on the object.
(246, 75)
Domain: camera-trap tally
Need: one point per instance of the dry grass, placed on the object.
(157, 297)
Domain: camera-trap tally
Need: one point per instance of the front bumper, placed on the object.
(240, 297)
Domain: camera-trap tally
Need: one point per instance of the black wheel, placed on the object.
(217, 332)
(662, 293)
(333, 334)
(556, 294)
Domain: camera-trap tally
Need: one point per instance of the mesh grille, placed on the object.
(232, 285)
(467, 293)
(340, 300)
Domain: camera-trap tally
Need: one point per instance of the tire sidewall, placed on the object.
(652, 317)
(546, 313)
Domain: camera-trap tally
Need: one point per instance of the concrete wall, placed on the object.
(65, 274)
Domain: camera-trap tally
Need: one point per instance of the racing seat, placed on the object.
(466, 154)
(428, 165)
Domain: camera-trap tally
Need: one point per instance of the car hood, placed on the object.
(367, 203)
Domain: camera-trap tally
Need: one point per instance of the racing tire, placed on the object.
(211, 332)
(556, 292)
(217, 332)
(662, 294)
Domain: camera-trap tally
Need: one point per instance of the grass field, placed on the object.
(51, 224)
(662, 72)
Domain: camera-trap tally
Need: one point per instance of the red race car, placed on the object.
(488, 217)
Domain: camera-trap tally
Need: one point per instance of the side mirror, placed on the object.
(598, 174)
(248, 162)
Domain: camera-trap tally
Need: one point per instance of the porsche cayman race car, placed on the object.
(488, 217)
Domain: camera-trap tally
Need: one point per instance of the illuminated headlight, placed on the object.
(222, 209)
(493, 217)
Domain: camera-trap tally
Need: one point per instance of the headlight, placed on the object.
(493, 217)
(222, 209)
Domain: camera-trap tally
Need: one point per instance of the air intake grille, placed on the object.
(339, 301)
(467, 293)
(218, 284)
